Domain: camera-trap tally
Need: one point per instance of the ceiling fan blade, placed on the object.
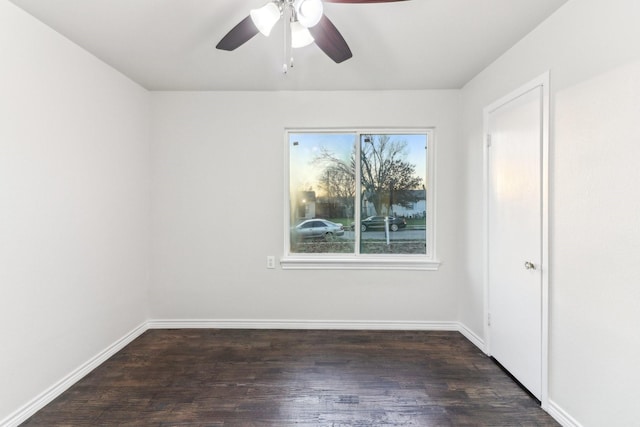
(238, 35)
(330, 41)
(361, 1)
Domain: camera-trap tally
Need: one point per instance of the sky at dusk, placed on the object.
(304, 147)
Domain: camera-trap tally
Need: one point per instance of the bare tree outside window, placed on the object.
(393, 178)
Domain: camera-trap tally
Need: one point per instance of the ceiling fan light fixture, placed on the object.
(300, 35)
(266, 17)
(308, 12)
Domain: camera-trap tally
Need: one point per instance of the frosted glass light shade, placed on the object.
(308, 12)
(300, 35)
(265, 18)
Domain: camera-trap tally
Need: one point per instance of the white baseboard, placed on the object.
(471, 336)
(561, 416)
(301, 324)
(44, 398)
(318, 324)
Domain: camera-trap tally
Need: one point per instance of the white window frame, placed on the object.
(356, 260)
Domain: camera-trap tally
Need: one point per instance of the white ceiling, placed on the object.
(417, 44)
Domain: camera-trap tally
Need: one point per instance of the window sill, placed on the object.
(358, 263)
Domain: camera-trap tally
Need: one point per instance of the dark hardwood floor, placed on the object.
(211, 377)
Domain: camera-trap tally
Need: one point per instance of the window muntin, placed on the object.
(347, 177)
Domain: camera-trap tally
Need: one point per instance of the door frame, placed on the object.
(543, 82)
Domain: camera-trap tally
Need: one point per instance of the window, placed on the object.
(360, 199)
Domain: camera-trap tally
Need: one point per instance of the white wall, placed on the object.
(592, 50)
(215, 150)
(75, 197)
(74, 207)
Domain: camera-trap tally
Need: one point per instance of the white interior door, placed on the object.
(514, 203)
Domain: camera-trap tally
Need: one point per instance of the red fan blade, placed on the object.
(238, 35)
(361, 1)
(330, 41)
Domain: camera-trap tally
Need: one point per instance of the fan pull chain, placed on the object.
(289, 46)
(284, 56)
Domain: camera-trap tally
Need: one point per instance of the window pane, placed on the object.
(393, 193)
(322, 187)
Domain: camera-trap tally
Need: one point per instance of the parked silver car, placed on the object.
(318, 229)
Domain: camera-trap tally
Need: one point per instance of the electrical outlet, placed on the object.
(271, 261)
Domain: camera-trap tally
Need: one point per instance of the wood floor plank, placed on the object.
(211, 377)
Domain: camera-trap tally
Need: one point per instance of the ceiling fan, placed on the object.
(308, 24)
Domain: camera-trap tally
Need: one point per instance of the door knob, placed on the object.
(529, 265)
